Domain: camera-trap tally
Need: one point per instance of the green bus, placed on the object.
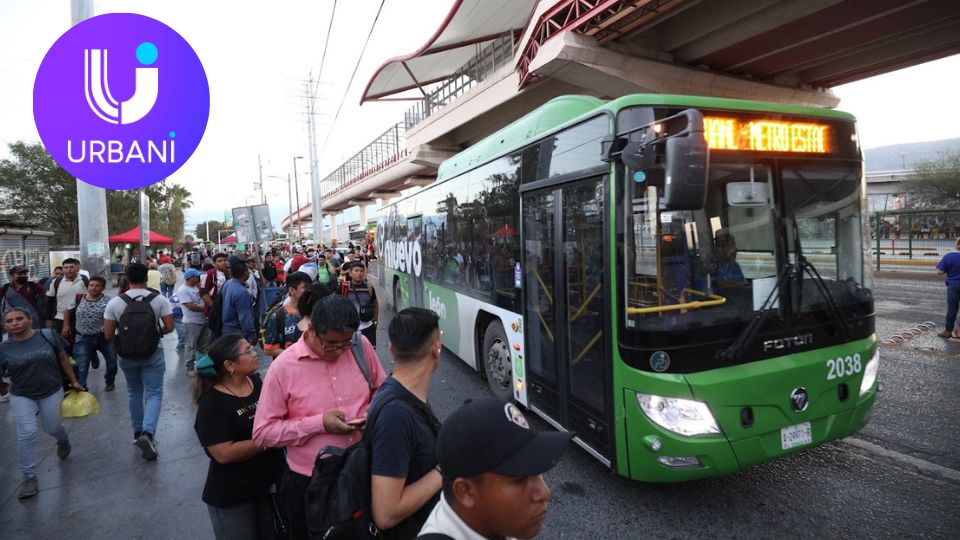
(679, 281)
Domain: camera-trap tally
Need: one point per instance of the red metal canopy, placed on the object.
(133, 237)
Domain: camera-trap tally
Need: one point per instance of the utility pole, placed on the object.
(91, 200)
(290, 207)
(296, 186)
(263, 196)
(316, 199)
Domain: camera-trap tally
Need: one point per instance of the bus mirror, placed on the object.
(686, 167)
(639, 155)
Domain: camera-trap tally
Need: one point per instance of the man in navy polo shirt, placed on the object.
(949, 266)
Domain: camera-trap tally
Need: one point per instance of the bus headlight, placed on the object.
(870, 373)
(683, 416)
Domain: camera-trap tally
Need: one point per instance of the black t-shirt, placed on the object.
(222, 418)
(403, 443)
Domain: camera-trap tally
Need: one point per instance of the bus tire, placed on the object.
(497, 365)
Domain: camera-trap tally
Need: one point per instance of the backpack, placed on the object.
(170, 278)
(338, 496)
(56, 283)
(215, 317)
(364, 309)
(276, 306)
(139, 328)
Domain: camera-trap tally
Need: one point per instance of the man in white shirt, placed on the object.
(62, 292)
(492, 465)
(194, 320)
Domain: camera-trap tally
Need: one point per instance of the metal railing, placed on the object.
(390, 146)
(913, 240)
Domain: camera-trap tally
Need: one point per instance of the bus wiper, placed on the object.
(747, 334)
(804, 265)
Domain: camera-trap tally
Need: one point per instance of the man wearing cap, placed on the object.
(194, 319)
(21, 292)
(405, 484)
(492, 464)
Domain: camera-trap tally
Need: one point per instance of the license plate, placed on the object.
(797, 435)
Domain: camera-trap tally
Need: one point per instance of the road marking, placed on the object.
(923, 465)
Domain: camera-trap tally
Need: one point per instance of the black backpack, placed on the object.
(139, 330)
(215, 317)
(338, 496)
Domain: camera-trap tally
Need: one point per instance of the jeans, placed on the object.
(953, 303)
(85, 348)
(250, 521)
(26, 411)
(294, 492)
(198, 337)
(178, 328)
(165, 289)
(144, 389)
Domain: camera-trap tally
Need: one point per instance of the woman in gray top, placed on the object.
(36, 364)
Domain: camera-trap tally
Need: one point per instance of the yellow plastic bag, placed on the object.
(79, 404)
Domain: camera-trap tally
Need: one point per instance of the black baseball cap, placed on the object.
(490, 435)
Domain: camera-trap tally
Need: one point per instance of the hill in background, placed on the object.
(905, 156)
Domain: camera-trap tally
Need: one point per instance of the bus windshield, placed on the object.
(719, 265)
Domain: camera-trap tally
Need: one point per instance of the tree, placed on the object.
(38, 191)
(215, 226)
(936, 182)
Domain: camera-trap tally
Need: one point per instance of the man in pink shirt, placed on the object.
(314, 396)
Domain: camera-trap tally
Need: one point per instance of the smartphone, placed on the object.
(357, 421)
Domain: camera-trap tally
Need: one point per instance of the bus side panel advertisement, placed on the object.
(444, 303)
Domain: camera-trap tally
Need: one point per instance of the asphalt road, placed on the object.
(899, 477)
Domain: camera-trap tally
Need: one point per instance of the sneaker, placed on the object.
(944, 333)
(147, 446)
(95, 363)
(63, 449)
(110, 387)
(28, 488)
(136, 435)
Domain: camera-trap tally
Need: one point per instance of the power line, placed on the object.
(326, 45)
(352, 75)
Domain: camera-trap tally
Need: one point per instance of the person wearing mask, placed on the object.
(194, 319)
(281, 328)
(238, 304)
(364, 299)
(144, 375)
(405, 483)
(237, 489)
(64, 290)
(23, 293)
(36, 364)
(85, 315)
(269, 270)
(492, 464)
(313, 396)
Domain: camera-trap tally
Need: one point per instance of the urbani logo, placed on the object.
(121, 101)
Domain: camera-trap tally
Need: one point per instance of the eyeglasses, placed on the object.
(334, 345)
(251, 350)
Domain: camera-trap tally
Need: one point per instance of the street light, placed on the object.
(296, 183)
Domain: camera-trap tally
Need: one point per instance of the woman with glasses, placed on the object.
(226, 392)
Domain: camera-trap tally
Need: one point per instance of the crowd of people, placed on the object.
(263, 434)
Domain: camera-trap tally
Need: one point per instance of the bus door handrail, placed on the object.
(714, 300)
(583, 307)
(587, 348)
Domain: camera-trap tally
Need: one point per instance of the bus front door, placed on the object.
(564, 317)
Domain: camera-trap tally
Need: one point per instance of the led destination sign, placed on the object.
(766, 135)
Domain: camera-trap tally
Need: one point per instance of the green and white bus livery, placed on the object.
(679, 281)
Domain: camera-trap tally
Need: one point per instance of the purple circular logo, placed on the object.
(121, 101)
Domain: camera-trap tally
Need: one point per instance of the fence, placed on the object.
(910, 240)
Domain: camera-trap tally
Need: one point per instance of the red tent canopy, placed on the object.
(232, 239)
(133, 237)
(503, 232)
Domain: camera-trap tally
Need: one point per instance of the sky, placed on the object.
(257, 56)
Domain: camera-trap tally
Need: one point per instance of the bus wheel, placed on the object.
(496, 361)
